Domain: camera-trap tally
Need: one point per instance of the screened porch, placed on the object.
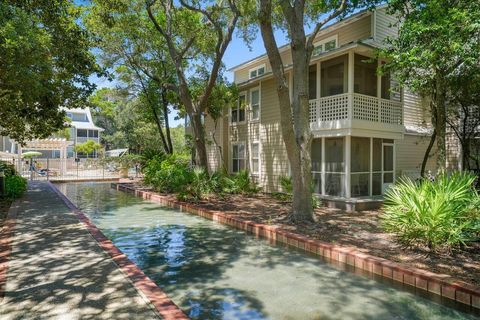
(352, 167)
(347, 93)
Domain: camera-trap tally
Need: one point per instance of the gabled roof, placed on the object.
(354, 17)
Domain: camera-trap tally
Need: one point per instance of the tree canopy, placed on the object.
(437, 49)
(45, 64)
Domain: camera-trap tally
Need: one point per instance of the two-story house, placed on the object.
(82, 129)
(367, 130)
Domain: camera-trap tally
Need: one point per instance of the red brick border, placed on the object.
(6, 239)
(159, 299)
(439, 284)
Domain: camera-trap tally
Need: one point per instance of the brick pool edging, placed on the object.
(6, 239)
(159, 299)
(439, 284)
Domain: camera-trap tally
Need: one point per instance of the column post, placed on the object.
(323, 175)
(348, 157)
(379, 92)
(350, 81)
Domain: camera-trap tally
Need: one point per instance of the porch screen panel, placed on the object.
(360, 166)
(334, 76)
(377, 167)
(312, 82)
(334, 167)
(316, 155)
(365, 76)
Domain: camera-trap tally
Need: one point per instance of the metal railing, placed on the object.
(70, 169)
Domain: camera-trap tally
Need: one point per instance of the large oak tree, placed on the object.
(293, 16)
(45, 64)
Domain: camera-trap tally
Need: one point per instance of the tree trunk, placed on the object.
(167, 124)
(199, 140)
(441, 126)
(293, 112)
(427, 153)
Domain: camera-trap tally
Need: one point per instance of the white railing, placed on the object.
(363, 107)
(329, 108)
(85, 139)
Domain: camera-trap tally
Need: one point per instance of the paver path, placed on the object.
(57, 270)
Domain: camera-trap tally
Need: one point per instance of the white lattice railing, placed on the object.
(364, 107)
(391, 112)
(329, 108)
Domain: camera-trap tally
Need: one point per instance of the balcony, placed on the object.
(354, 111)
(85, 139)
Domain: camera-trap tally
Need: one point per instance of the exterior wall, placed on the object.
(354, 31)
(384, 26)
(409, 155)
(453, 151)
(415, 111)
(213, 152)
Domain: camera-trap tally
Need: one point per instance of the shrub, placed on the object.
(15, 186)
(199, 185)
(240, 183)
(171, 174)
(441, 213)
(7, 168)
(287, 188)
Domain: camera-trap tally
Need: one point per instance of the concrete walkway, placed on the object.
(57, 270)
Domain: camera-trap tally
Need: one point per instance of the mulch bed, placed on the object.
(4, 206)
(360, 230)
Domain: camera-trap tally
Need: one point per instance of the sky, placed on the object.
(236, 53)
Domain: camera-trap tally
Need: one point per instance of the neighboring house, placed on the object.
(367, 130)
(82, 129)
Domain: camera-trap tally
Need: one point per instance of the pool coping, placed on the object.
(438, 284)
(6, 243)
(163, 305)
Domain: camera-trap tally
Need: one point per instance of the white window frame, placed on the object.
(237, 107)
(259, 104)
(256, 69)
(322, 43)
(244, 156)
(256, 173)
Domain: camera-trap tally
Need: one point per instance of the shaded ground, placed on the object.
(4, 206)
(57, 271)
(360, 230)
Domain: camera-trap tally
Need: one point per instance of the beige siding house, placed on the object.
(367, 130)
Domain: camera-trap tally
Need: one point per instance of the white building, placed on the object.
(82, 129)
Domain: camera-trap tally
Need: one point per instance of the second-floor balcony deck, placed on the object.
(356, 111)
(348, 96)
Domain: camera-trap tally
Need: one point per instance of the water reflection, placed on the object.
(214, 272)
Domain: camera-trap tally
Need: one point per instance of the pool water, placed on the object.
(212, 271)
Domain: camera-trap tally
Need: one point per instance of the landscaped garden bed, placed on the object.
(359, 230)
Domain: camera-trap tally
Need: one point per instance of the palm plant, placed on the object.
(440, 213)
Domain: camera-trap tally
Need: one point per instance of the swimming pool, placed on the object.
(212, 271)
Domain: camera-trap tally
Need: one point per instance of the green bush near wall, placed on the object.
(15, 186)
(174, 174)
(437, 214)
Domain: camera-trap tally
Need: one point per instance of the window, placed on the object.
(324, 45)
(312, 82)
(334, 79)
(93, 133)
(360, 178)
(365, 76)
(255, 157)
(256, 72)
(80, 117)
(238, 157)
(238, 113)
(390, 88)
(82, 133)
(255, 103)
